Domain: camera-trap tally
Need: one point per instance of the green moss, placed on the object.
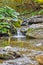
(16, 24)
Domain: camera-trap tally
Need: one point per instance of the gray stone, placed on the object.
(35, 31)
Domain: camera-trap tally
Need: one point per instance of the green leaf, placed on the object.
(1, 16)
(2, 10)
(41, 11)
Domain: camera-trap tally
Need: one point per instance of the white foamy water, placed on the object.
(19, 34)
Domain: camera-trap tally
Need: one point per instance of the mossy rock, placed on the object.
(9, 55)
(5, 56)
(35, 32)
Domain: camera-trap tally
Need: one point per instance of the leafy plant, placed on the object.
(7, 16)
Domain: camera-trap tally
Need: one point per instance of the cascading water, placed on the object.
(19, 34)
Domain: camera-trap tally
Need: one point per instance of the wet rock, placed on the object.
(32, 20)
(4, 34)
(7, 55)
(35, 31)
(24, 24)
(25, 20)
(35, 19)
(39, 58)
(15, 54)
(13, 30)
(23, 31)
(35, 26)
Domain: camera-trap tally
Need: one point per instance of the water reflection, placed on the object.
(23, 42)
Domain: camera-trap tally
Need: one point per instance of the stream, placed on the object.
(28, 48)
(19, 34)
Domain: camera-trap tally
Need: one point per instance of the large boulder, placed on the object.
(35, 19)
(35, 31)
(32, 20)
(8, 55)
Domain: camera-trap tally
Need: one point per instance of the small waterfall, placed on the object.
(19, 34)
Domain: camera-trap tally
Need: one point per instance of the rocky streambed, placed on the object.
(21, 52)
(33, 27)
(11, 57)
(25, 48)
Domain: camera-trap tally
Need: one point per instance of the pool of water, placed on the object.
(29, 48)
